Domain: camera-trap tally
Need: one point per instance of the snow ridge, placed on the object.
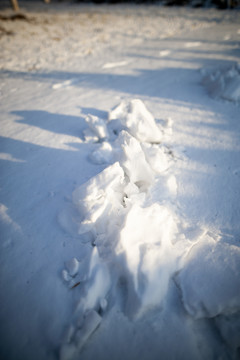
(138, 238)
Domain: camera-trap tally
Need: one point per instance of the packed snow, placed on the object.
(119, 183)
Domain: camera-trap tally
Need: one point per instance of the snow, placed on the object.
(72, 266)
(224, 84)
(134, 116)
(219, 264)
(97, 126)
(119, 183)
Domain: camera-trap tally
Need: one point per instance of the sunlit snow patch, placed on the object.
(115, 64)
(163, 53)
(9, 157)
(192, 44)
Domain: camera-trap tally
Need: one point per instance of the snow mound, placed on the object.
(137, 236)
(98, 126)
(146, 245)
(133, 161)
(127, 213)
(134, 116)
(101, 196)
(156, 157)
(224, 84)
(210, 281)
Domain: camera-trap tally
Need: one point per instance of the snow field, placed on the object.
(138, 238)
(145, 262)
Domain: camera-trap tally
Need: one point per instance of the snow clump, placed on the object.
(97, 130)
(135, 117)
(224, 84)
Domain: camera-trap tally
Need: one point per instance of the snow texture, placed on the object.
(219, 264)
(119, 182)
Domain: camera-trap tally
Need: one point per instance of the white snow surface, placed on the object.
(119, 183)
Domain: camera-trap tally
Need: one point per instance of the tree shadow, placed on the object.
(56, 123)
(36, 183)
(93, 111)
(162, 83)
(159, 83)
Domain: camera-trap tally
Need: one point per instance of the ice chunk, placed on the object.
(98, 126)
(65, 275)
(135, 117)
(131, 157)
(100, 197)
(103, 304)
(210, 281)
(98, 283)
(146, 241)
(72, 266)
(156, 157)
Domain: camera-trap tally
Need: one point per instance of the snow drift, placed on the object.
(137, 235)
